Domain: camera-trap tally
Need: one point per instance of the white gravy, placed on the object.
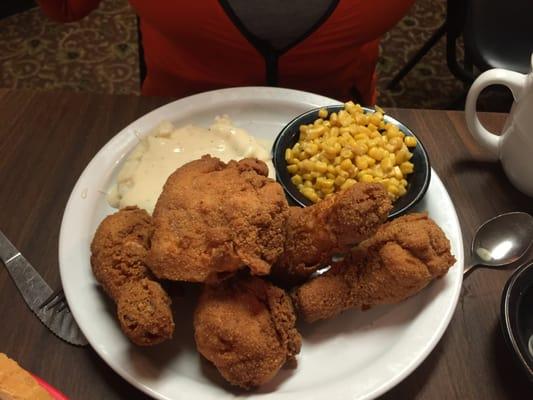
(159, 154)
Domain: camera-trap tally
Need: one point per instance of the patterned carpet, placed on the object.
(100, 54)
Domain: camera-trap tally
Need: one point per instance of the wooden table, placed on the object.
(46, 140)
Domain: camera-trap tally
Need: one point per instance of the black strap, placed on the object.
(271, 41)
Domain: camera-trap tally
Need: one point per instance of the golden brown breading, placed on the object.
(214, 218)
(143, 309)
(401, 258)
(246, 328)
(119, 249)
(329, 227)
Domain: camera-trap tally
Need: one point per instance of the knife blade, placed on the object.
(35, 291)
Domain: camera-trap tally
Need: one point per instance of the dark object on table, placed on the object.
(516, 316)
(496, 35)
(418, 181)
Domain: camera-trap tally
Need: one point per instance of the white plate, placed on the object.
(358, 355)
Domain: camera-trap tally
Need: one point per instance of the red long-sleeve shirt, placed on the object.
(194, 46)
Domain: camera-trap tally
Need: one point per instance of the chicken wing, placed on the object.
(332, 226)
(214, 218)
(245, 327)
(402, 257)
(118, 253)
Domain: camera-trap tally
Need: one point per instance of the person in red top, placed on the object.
(328, 47)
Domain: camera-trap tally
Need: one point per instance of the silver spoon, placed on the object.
(501, 240)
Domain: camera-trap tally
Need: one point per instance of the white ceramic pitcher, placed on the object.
(514, 148)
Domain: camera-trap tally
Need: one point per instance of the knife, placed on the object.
(36, 292)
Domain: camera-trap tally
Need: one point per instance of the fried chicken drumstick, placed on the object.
(214, 218)
(119, 249)
(332, 226)
(402, 257)
(245, 327)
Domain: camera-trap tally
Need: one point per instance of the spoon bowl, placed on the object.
(501, 240)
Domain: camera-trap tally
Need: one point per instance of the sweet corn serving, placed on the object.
(342, 148)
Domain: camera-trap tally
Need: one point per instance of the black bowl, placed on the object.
(517, 316)
(417, 182)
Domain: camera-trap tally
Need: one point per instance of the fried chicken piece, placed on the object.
(119, 248)
(401, 258)
(118, 253)
(214, 218)
(144, 313)
(331, 226)
(246, 328)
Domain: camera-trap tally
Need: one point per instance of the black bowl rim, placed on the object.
(505, 320)
(387, 118)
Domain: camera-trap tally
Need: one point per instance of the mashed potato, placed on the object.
(147, 168)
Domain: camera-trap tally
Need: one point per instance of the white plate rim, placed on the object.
(274, 94)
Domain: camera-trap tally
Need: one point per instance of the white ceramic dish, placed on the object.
(358, 355)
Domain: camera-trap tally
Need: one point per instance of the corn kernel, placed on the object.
(367, 178)
(302, 155)
(361, 162)
(316, 132)
(292, 168)
(397, 172)
(322, 183)
(386, 164)
(401, 156)
(389, 147)
(346, 153)
(288, 154)
(310, 194)
(323, 113)
(339, 180)
(394, 189)
(341, 172)
(402, 190)
(372, 126)
(360, 148)
(410, 141)
(297, 180)
(321, 167)
(334, 118)
(348, 183)
(349, 105)
(376, 153)
(311, 148)
(346, 164)
(406, 167)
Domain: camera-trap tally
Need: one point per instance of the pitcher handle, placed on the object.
(514, 81)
